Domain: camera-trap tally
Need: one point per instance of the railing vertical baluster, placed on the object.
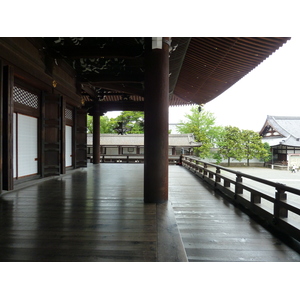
(239, 180)
(226, 183)
(255, 198)
(217, 178)
(280, 196)
(205, 170)
(200, 167)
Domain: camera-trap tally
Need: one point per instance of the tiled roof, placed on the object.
(287, 126)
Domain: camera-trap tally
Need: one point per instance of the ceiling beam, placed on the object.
(121, 88)
(99, 79)
(91, 92)
(124, 52)
(117, 106)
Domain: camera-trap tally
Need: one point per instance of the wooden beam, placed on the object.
(92, 93)
(124, 52)
(105, 78)
(122, 89)
(119, 106)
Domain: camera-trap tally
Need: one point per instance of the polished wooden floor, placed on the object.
(98, 215)
(213, 230)
(90, 215)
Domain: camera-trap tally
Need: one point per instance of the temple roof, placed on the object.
(284, 130)
(200, 68)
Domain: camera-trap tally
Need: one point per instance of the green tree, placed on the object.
(252, 145)
(230, 144)
(133, 120)
(201, 124)
(107, 124)
(268, 156)
(89, 124)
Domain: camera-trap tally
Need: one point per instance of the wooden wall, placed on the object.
(23, 62)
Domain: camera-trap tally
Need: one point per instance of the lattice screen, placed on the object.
(25, 98)
(68, 114)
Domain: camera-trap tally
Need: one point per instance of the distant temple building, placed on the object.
(283, 135)
(130, 147)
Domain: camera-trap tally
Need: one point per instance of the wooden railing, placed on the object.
(274, 203)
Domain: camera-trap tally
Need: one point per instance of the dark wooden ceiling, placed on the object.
(111, 68)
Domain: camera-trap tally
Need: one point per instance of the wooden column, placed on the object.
(63, 137)
(96, 139)
(7, 142)
(51, 135)
(156, 122)
(96, 113)
(80, 125)
(1, 120)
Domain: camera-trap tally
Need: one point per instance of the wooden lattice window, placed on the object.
(68, 114)
(26, 98)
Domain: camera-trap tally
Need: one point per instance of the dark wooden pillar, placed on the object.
(80, 125)
(1, 120)
(156, 122)
(96, 138)
(63, 137)
(96, 113)
(7, 142)
(51, 135)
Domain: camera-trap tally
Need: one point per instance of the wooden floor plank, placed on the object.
(74, 218)
(98, 215)
(213, 230)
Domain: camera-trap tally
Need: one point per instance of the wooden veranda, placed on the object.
(97, 214)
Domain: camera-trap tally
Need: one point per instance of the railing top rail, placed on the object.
(277, 185)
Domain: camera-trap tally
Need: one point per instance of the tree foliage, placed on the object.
(107, 125)
(253, 146)
(132, 120)
(241, 144)
(268, 156)
(89, 124)
(230, 144)
(201, 124)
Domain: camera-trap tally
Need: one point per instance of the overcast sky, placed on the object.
(270, 89)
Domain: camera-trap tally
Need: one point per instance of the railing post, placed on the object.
(200, 167)
(226, 183)
(255, 198)
(280, 196)
(218, 178)
(205, 170)
(238, 188)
